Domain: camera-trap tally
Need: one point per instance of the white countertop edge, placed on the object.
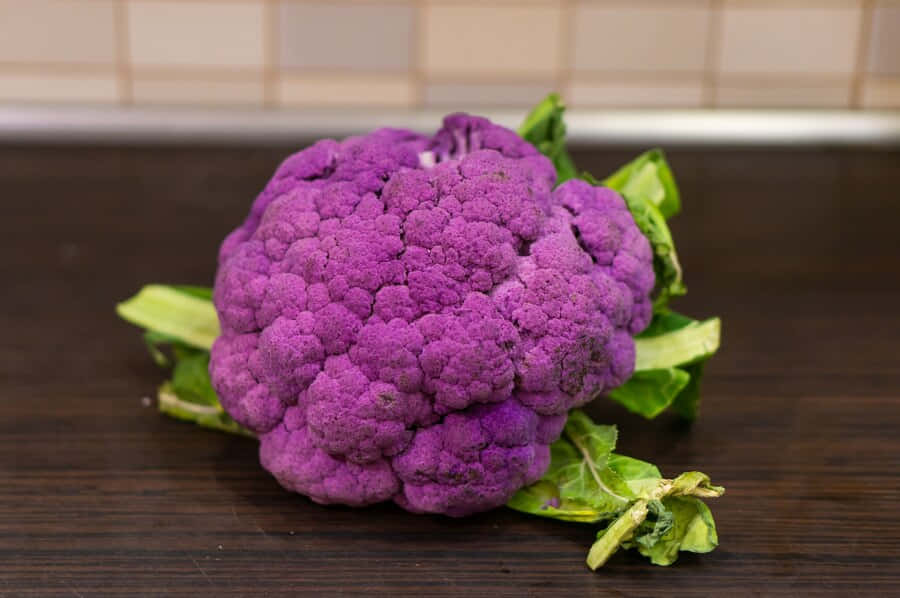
(122, 125)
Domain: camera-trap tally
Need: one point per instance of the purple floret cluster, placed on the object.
(411, 319)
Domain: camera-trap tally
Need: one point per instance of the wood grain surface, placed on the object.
(798, 251)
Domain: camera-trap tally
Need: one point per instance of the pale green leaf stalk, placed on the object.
(695, 342)
(669, 359)
(208, 416)
(183, 318)
(620, 531)
(173, 312)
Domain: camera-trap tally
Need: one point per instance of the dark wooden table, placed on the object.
(798, 251)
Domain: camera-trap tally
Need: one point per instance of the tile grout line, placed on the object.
(566, 49)
(124, 75)
(712, 59)
(867, 14)
(417, 46)
(314, 2)
(271, 46)
(210, 1)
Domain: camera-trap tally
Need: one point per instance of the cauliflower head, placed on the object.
(410, 318)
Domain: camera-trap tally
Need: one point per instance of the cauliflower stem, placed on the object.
(628, 500)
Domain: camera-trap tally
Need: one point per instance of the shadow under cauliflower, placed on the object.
(409, 318)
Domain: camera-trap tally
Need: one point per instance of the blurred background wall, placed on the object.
(424, 53)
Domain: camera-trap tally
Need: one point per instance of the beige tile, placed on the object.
(789, 40)
(493, 2)
(635, 37)
(346, 36)
(792, 4)
(881, 93)
(478, 38)
(345, 90)
(183, 90)
(686, 94)
(58, 88)
(783, 92)
(462, 95)
(884, 45)
(191, 33)
(57, 31)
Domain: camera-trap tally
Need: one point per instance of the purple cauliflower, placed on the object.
(409, 318)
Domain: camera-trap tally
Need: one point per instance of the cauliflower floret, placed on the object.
(410, 319)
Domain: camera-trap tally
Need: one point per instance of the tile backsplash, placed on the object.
(445, 53)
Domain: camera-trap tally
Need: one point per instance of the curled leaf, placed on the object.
(588, 483)
(692, 529)
(649, 175)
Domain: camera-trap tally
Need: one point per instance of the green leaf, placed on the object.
(658, 522)
(667, 525)
(692, 529)
(195, 291)
(676, 343)
(174, 312)
(690, 343)
(578, 485)
(153, 340)
(651, 194)
(594, 442)
(600, 489)
(666, 321)
(184, 318)
(672, 344)
(578, 467)
(542, 499)
(641, 477)
(649, 392)
(203, 414)
(190, 378)
(666, 266)
(646, 183)
(700, 534)
(649, 190)
(545, 129)
(190, 396)
(587, 483)
(687, 403)
(649, 176)
(632, 469)
(535, 498)
(694, 483)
